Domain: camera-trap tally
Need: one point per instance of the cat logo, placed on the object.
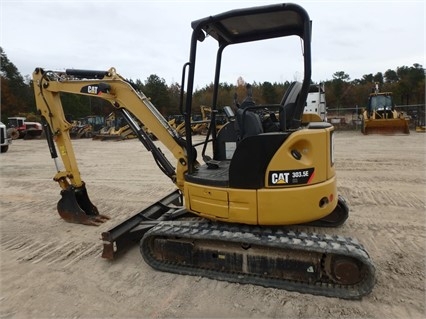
(279, 178)
(291, 177)
(96, 89)
(92, 89)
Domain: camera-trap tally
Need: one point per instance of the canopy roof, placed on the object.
(256, 23)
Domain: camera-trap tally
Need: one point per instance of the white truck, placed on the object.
(315, 102)
(5, 140)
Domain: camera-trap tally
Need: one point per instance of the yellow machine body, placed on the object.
(296, 190)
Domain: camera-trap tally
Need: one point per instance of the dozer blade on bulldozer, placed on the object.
(76, 207)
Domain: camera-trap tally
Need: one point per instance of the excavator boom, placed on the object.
(75, 205)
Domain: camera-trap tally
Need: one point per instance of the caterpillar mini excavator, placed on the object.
(231, 216)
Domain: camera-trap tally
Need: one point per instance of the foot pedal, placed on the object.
(212, 164)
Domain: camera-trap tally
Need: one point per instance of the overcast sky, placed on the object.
(140, 38)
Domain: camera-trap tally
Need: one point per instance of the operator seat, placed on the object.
(288, 106)
(249, 123)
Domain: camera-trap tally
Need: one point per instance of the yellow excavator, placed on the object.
(381, 117)
(233, 212)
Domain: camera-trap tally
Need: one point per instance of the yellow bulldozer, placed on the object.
(381, 117)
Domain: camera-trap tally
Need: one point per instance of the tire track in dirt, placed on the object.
(368, 196)
(388, 236)
(380, 165)
(61, 253)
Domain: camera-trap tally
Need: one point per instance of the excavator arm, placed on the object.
(75, 205)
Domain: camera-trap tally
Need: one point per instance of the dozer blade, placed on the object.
(76, 207)
(131, 230)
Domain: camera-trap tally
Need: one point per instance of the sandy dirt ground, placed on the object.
(53, 269)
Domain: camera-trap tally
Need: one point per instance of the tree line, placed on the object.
(406, 83)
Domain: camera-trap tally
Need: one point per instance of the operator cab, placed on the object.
(244, 26)
(243, 148)
(382, 104)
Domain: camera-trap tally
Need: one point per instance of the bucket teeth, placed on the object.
(76, 207)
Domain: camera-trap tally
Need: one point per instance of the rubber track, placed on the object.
(272, 237)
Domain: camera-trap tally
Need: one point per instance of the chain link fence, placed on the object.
(350, 118)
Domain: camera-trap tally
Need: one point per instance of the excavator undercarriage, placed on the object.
(282, 258)
(292, 258)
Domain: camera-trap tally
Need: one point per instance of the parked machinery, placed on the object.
(87, 127)
(381, 116)
(115, 128)
(19, 127)
(230, 217)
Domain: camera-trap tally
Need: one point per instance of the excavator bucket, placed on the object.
(76, 207)
(386, 126)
